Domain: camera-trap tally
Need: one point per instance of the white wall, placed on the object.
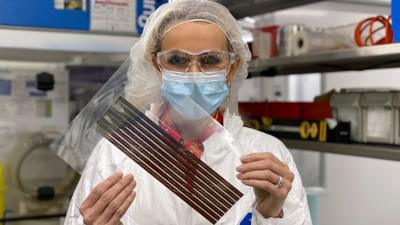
(361, 191)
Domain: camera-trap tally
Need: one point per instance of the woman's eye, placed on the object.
(210, 60)
(177, 60)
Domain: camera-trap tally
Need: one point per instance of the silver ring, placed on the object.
(279, 184)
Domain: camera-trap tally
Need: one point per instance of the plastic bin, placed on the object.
(286, 111)
(316, 110)
(254, 109)
(346, 107)
(378, 117)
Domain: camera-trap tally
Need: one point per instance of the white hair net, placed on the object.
(137, 79)
(143, 80)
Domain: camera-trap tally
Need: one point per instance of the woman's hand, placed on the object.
(262, 171)
(109, 200)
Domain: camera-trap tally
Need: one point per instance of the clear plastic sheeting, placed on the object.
(76, 146)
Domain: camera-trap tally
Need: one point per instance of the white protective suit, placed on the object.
(154, 203)
(156, 199)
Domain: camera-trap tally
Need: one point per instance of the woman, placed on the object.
(190, 55)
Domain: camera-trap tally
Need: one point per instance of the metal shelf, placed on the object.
(69, 31)
(377, 151)
(376, 57)
(68, 58)
(70, 48)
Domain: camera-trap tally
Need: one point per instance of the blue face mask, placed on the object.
(194, 95)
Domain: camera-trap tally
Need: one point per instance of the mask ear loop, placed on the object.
(228, 98)
(232, 58)
(229, 85)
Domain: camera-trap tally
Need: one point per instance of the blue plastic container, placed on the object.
(396, 19)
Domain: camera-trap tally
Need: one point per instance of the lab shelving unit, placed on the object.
(355, 59)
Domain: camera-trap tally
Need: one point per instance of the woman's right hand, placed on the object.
(109, 200)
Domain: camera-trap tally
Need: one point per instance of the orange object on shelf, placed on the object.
(367, 31)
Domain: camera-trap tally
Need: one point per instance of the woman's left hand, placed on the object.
(271, 180)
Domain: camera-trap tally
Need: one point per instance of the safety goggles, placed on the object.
(207, 61)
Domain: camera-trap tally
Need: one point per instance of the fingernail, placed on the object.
(118, 174)
(238, 176)
(238, 168)
(243, 158)
(129, 176)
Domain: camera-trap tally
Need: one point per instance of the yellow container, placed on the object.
(3, 190)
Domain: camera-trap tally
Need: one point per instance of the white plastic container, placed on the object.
(346, 107)
(262, 45)
(378, 117)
